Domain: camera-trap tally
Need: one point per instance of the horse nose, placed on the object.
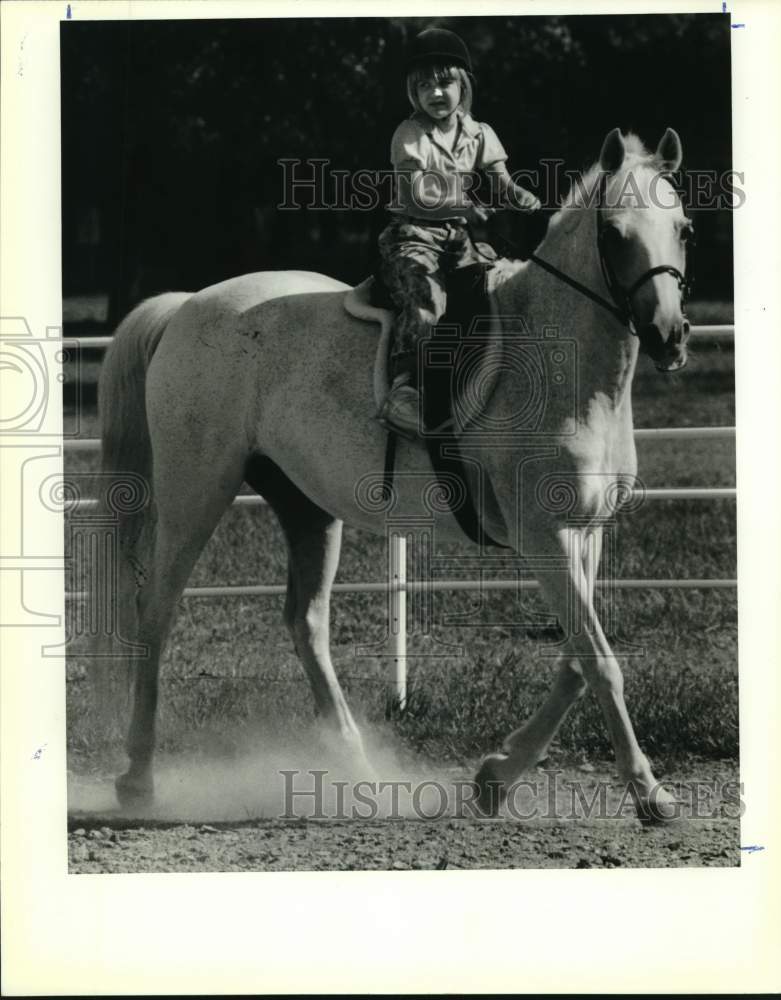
(680, 332)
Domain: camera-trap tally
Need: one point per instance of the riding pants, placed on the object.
(416, 256)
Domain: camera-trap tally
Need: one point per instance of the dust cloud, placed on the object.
(286, 779)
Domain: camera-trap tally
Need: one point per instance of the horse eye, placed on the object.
(614, 233)
(687, 234)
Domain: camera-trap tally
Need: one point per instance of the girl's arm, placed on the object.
(429, 195)
(511, 194)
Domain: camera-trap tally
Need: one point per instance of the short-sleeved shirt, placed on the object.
(416, 146)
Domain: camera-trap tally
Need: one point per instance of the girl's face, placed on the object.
(439, 98)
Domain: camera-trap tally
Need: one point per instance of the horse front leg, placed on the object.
(570, 594)
(527, 745)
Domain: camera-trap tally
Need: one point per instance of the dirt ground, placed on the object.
(573, 817)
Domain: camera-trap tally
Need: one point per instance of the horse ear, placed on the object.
(613, 151)
(669, 152)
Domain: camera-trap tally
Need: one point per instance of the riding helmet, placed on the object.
(438, 44)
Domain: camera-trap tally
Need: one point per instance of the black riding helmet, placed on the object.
(438, 45)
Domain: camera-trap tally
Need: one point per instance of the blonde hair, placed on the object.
(439, 71)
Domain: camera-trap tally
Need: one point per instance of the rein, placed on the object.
(594, 296)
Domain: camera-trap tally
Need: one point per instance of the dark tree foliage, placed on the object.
(172, 131)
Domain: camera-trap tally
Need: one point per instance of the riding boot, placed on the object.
(401, 411)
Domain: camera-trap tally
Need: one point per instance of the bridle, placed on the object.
(622, 297)
(621, 305)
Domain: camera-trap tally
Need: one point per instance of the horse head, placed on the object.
(642, 242)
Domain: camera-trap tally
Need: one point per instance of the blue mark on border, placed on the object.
(723, 6)
(741, 25)
(68, 14)
(752, 848)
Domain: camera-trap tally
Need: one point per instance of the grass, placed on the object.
(230, 665)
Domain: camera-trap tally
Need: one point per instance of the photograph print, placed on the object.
(399, 421)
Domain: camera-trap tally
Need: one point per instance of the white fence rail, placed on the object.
(720, 332)
(641, 434)
(661, 493)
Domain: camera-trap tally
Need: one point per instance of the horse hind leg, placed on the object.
(527, 745)
(314, 541)
(186, 514)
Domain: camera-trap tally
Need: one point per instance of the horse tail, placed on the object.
(126, 446)
(125, 496)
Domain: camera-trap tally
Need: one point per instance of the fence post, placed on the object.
(397, 681)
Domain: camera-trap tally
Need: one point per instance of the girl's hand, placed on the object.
(480, 213)
(524, 201)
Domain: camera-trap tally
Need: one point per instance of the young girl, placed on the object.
(435, 153)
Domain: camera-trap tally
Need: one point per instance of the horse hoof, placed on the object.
(134, 793)
(491, 790)
(657, 809)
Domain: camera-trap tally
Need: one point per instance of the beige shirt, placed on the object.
(418, 145)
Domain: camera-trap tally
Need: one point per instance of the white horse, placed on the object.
(265, 379)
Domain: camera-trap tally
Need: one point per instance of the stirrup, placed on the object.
(390, 425)
(446, 429)
(409, 428)
(391, 428)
